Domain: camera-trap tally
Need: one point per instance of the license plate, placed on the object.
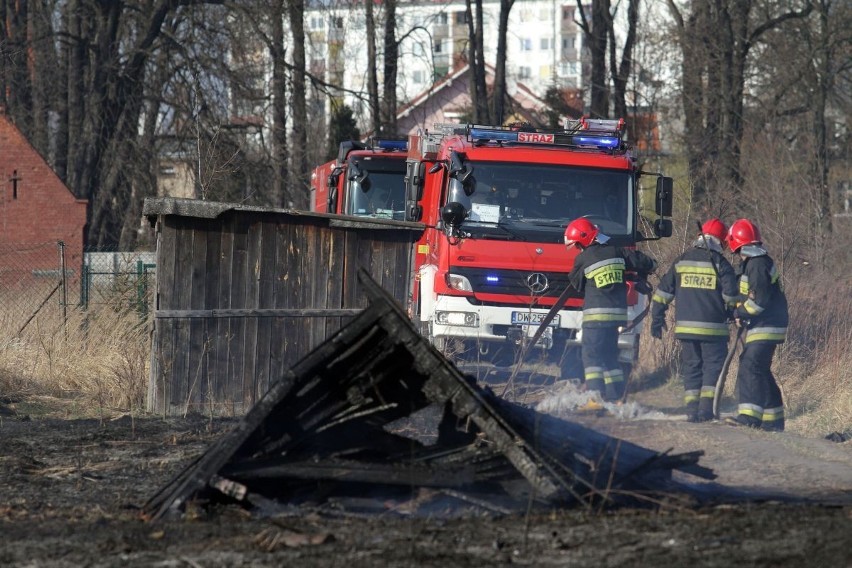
(533, 318)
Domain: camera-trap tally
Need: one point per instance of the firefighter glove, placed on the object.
(657, 327)
(643, 287)
(742, 317)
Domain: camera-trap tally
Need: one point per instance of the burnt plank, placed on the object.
(354, 471)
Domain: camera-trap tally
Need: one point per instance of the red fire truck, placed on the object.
(365, 180)
(496, 201)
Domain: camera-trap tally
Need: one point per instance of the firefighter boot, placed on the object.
(692, 411)
(705, 409)
(743, 420)
(776, 425)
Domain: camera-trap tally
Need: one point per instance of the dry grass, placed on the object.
(95, 364)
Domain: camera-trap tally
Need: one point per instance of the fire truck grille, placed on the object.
(515, 282)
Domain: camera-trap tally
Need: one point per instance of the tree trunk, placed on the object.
(476, 62)
(391, 62)
(299, 169)
(621, 72)
(597, 46)
(499, 98)
(372, 75)
(282, 190)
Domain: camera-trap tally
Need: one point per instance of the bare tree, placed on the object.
(716, 38)
(300, 171)
(476, 62)
(498, 100)
(372, 78)
(391, 58)
(621, 69)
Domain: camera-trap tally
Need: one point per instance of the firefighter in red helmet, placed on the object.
(599, 274)
(703, 286)
(762, 310)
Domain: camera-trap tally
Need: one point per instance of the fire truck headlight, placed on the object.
(459, 282)
(464, 319)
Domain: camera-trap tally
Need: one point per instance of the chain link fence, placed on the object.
(41, 289)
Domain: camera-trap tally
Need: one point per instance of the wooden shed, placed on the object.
(243, 293)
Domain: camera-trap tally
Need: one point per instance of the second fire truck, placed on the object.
(496, 201)
(366, 180)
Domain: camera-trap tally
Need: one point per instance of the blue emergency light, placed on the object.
(392, 144)
(496, 135)
(492, 279)
(599, 141)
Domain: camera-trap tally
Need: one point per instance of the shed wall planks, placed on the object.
(245, 293)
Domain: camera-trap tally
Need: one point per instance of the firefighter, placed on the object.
(762, 310)
(599, 274)
(703, 286)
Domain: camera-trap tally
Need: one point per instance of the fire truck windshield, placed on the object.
(537, 201)
(382, 193)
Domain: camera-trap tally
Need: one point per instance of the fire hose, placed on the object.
(720, 382)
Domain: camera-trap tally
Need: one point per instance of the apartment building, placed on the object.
(544, 46)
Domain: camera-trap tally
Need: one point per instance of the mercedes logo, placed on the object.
(537, 282)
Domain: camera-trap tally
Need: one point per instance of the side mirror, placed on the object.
(664, 197)
(356, 174)
(663, 227)
(461, 171)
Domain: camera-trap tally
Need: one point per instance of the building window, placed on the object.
(526, 44)
(317, 23)
(442, 18)
(524, 72)
(461, 18)
(419, 77)
(568, 43)
(567, 13)
(546, 43)
(419, 49)
(437, 48)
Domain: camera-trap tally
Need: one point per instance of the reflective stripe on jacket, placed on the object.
(703, 284)
(762, 297)
(599, 274)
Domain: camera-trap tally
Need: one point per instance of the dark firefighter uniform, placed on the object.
(703, 285)
(763, 311)
(599, 274)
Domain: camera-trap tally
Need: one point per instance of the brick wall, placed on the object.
(36, 208)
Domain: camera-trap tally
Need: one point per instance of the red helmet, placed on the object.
(580, 231)
(716, 228)
(743, 232)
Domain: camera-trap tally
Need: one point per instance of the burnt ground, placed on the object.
(71, 493)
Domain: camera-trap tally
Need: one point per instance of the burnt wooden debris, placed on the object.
(323, 435)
